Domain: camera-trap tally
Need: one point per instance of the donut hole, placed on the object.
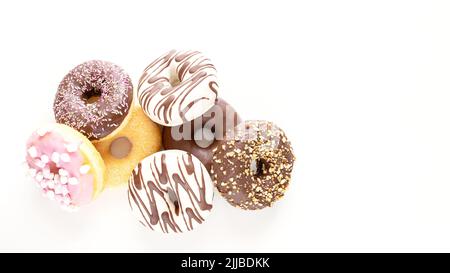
(204, 137)
(174, 199)
(53, 168)
(120, 147)
(92, 96)
(259, 167)
(174, 81)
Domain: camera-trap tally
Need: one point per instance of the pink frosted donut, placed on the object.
(65, 165)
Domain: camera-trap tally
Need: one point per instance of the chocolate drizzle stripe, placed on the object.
(193, 216)
(213, 86)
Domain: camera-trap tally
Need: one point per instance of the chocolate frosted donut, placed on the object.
(252, 167)
(201, 135)
(94, 98)
(170, 191)
(178, 87)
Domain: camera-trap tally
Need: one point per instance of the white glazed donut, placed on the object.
(178, 87)
(171, 192)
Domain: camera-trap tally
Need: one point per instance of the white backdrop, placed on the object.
(362, 89)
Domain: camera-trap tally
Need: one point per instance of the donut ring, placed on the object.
(65, 165)
(178, 87)
(252, 167)
(94, 98)
(171, 191)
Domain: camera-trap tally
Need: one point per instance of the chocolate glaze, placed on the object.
(95, 118)
(252, 167)
(222, 123)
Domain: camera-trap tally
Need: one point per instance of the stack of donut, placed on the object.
(172, 142)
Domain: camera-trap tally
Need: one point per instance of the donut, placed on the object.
(170, 192)
(178, 87)
(94, 98)
(65, 165)
(139, 138)
(201, 136)
(252, 166)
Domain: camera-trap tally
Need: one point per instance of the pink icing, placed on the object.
(58, 168)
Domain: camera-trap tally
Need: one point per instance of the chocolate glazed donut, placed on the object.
(252, 167)
(200, 136)
(94, 98)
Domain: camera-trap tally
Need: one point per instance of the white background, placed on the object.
(362, 89)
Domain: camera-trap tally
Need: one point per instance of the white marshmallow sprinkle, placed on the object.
(73, 181)
(55, 157)
(32, 151)
(65, 157)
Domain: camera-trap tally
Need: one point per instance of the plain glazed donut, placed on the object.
(94, 98)
(65, 165)
(139, 138)
(171, 192)
(178, 87)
